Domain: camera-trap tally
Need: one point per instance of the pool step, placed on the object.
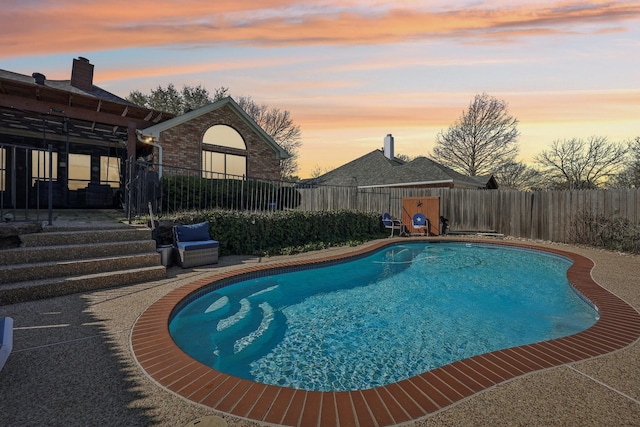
(248, 327)
(238, 319)
(260, 333)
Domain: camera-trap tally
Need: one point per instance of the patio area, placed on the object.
(72, 363)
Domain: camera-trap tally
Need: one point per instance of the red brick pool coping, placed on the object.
(410, 399)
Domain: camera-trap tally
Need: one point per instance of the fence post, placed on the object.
(128, 188)
(50, 184)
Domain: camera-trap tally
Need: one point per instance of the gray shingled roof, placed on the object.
(66, 86)
(376, 170)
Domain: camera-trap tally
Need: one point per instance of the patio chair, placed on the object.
(392, 224)
(421, 223)
(194, 245)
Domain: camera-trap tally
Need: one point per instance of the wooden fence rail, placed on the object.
(545, 215)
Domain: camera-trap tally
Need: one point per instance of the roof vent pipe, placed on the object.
(388, 147)
(39, 78)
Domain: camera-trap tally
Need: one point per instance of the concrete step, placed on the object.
(26, 255)
(79, 237)
(46, 288)
(42, 270)
(89, 226)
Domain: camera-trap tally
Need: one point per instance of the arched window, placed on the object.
(224, 153)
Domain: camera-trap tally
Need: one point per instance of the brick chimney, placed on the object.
(82, 74)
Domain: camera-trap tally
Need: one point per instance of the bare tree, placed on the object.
(404, 157)
(576, 163)
(279, 125)
(481, 140)
(630, 175)
(276, 123)
(517, 176)
(318, 171)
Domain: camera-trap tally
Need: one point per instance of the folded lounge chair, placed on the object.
(194, 245)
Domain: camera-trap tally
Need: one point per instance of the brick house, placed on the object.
(219, 138)
(87, 134)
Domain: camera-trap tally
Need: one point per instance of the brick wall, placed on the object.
(182, 144)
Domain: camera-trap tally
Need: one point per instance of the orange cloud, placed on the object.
(441, 110)
(56, 27)
(135, 72)
(574, 106)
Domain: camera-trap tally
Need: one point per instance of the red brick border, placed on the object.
(410, 399)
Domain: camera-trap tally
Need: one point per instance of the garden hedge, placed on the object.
(275, 232)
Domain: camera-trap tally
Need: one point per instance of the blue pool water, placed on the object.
(376, 320)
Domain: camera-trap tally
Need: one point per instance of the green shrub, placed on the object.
(284, 232)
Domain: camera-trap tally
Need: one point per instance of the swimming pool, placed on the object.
(384, 317)
(411, 399)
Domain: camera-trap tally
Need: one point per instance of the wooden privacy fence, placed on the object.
(545, 215)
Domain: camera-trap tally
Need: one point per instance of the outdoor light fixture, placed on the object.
(148, 139)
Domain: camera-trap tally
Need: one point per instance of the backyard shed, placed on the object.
(428, 206)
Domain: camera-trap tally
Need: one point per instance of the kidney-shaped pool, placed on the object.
(381, 318)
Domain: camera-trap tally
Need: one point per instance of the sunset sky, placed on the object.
(351, 72)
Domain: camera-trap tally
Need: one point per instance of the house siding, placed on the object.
(182, 144)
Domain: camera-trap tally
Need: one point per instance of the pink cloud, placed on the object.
(56, 27)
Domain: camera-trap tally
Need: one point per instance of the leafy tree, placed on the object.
(276, 123)
(518, 176)
(579, 164)
(169, 100)
(194, 97)
(139, 98)
(481, 140)
(630, 175)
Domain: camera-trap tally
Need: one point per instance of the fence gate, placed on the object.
(142, 186)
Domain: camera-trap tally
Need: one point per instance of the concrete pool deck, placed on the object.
(72, 363)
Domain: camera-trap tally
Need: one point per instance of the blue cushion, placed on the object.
(193, 232)
(194, 246)
(387, 220)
